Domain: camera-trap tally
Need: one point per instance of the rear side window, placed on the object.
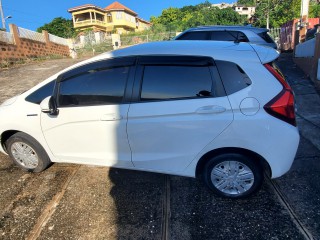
(94, 87)
(233, 77)
(265, 36)
(40, 94)
(198, 35)
(228, 36)
(176, 82)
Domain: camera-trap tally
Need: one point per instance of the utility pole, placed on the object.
(2, 16)
(303, 20)
(268, 14)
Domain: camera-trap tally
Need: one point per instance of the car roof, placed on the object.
(227, 27)
(222, 50)
(218, 50)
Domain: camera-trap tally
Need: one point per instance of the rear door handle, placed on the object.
(110, 117)
(211, 109)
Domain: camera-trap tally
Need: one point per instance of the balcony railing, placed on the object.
(89, 22)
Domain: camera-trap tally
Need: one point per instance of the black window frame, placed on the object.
(100, 65)
(176, 60)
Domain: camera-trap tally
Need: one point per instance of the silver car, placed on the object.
(229, 33)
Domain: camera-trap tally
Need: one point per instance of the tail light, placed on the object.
(282, 106)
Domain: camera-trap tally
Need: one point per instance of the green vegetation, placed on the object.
(179, 19)
(9, 62)
(280, 11)
(60, 27)
(314, 10)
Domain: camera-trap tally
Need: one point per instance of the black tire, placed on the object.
(27, 153)
(233, 175)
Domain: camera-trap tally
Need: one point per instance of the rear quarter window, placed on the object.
(228, 36)
(233, 77)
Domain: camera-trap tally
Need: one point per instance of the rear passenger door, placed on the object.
(178, 107)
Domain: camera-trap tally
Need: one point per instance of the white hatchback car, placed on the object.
(216, 110)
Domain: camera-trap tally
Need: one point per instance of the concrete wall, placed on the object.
(310, 64)
(288, 35)
(305, 49)
(24, 48)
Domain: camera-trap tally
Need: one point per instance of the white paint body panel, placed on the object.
(92, 135)
(167, 137)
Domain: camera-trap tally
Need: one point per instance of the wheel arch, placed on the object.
(216, 152)
(5, 136)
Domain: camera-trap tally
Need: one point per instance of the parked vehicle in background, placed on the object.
(229, 33)
(219, 111)
(312, 32)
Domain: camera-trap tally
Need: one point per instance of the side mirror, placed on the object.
(49, 105)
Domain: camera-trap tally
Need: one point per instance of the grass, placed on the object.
(8, 63)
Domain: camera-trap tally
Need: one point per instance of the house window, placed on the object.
(119, 15)
(127, 17)
(109, 18)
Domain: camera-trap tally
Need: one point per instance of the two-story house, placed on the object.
(244, 10)
(115, 18)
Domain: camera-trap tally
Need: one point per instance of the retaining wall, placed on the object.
(310, 64)
(23, 48)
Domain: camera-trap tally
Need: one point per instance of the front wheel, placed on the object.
(27, 153)
(233, 175)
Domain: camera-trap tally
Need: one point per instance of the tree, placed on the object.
(279, 11)
(60, 27)
(314, 9)
(190, 16)
(248, 3)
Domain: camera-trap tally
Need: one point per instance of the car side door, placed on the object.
(178, 107)
(89, 125)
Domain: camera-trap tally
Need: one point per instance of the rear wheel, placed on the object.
(27, 153)
(233, 175)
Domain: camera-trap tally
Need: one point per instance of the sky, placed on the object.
(31, 14)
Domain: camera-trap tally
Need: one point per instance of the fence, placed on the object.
(28, 34)
(154, 37)
(58, 40)
(6, 37)
(92, 43)
(275, 32)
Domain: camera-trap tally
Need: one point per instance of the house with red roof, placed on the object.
(115, 18)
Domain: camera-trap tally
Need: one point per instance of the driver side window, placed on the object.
(94, 87)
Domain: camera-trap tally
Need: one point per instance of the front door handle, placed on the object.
(211, 109)
(110, 117)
